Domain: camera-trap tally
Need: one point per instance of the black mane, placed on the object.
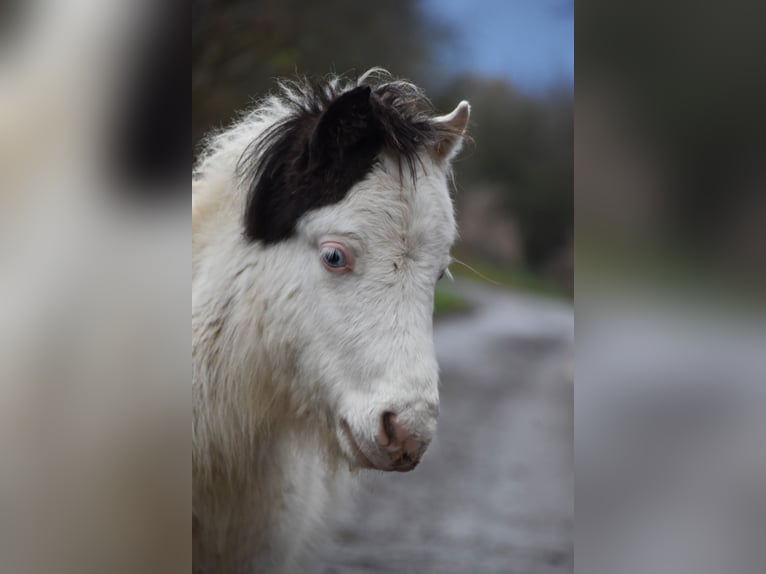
(328, 141)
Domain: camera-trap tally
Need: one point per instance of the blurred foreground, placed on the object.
(94, 272)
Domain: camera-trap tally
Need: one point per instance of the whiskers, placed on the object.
(472, 270)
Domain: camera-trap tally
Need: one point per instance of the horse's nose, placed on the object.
(403, 447)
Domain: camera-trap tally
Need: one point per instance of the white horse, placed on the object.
(321, 223)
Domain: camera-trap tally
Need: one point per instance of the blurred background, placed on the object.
(670, 216)
(495, 493)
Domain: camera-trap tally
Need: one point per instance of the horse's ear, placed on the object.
(347, 122)
(453, 126)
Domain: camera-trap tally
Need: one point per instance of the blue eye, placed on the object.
(333, 257)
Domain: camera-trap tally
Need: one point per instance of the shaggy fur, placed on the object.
(285, 353)
(328, 142)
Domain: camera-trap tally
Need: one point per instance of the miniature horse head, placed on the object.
(344, 227)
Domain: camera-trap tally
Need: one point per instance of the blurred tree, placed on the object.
(696, 88)
(525, 145)
(240, 46)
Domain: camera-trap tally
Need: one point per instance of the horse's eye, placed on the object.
(333, 257)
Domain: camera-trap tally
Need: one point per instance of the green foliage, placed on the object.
(447, 303)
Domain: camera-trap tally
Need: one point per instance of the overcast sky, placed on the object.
(530, 42)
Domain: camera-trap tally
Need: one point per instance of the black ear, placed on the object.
(306, 163)
(348, 123)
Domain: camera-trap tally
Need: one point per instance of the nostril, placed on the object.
(389, 428)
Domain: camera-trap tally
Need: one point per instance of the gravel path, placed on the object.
(494, 493)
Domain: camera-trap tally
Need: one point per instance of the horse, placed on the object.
(321, 223)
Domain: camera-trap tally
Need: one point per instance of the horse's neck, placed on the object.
(263, 514)
(234, 505)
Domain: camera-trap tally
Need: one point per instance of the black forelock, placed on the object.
(329, 140)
